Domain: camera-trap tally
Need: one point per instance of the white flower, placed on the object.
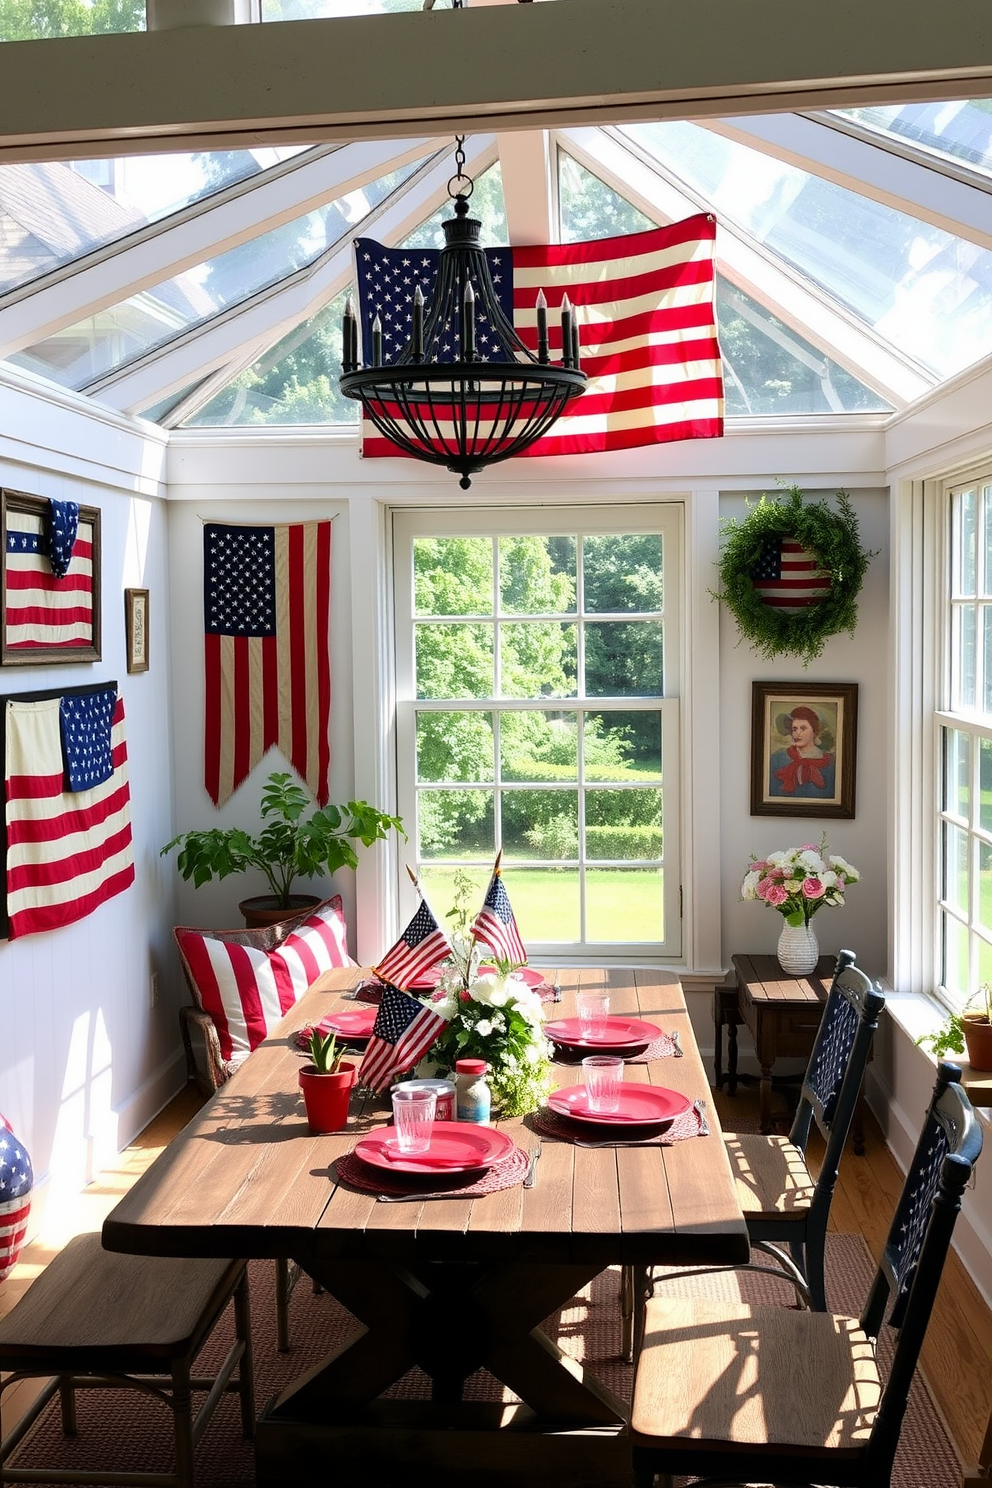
(500, 996)
(812, 862)
(777, 858)
(483, 1028)
(446, 1006)
(829, 879)
(842, 866)
(750, 884)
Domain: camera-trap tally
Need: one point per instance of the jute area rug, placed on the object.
(121, 1430)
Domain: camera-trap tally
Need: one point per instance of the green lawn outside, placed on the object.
(622, 905)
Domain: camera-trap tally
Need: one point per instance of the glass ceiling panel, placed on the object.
(88, 350)
(487, 204)
(295, 382)
(769, 369)
(926, 292)
(37, 20)
(53, 212)
(959, 131)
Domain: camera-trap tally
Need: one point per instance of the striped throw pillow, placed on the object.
(247, 991)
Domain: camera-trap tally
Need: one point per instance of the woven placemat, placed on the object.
(506, 1173)
(663, 1047)
(550, 1124)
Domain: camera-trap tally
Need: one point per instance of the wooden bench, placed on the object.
(98, 1320)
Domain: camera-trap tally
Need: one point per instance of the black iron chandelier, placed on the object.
(441, 399)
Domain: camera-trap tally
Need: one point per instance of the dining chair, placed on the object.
(94, 1319)
(786, 1211)
(730, 1392)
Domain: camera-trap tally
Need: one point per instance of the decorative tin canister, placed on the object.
(445, 1092)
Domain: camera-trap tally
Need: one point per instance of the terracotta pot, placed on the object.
(262, 910)
(327, 1097)
(978, 1041)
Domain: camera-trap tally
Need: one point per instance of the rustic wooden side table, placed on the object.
(782, 1013)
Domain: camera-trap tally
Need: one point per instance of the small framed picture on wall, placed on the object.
(803, 748)
(136, 629)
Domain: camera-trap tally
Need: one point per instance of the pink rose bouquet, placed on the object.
(799, 881)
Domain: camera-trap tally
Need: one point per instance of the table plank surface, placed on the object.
(246, 1177)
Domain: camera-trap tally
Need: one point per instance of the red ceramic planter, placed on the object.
(327, 1097)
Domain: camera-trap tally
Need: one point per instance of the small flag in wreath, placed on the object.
(16, 1183)
(787, 575)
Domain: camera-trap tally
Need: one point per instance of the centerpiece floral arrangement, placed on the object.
(492, 1015)
(799, 881)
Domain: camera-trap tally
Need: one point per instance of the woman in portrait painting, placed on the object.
(804, 769)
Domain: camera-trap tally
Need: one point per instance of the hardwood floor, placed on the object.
(957, 1355)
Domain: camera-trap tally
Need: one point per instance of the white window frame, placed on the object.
(976, 725)
(665, 518)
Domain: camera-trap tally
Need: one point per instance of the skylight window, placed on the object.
(295, 382)
(960, 131)
(53, 212)
(926, 292)
(769, 368)
(87, 351)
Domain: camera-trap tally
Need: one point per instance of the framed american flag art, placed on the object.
(49, 580)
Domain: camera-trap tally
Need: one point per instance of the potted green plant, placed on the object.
(290, 845)
(326, 1083)
(970, 1030)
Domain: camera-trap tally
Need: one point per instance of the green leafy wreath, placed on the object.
(833, 537)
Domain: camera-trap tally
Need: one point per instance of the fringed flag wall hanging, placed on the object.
(267, 665)
(645, 307)
(790, 573)
(51, 580)
(67, 818)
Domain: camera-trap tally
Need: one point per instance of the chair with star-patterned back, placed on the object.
(785, 1210)
(772, 1394)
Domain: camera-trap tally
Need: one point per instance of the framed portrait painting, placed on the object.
(136, 629)
(803, 748)
(49, 581)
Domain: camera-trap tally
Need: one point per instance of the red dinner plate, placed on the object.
(612, 1033)
(640, 1105)
(456, 1147)
(355, 1023)
(429, 979)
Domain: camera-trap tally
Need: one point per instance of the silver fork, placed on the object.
(700, 1109)
(529, 1176)
(677, 1041)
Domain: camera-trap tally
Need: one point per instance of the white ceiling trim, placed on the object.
(790, 297)
(116, 274)
(909, 186)
(266, 318)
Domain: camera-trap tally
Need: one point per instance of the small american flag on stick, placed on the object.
(404, 1030)
(787, 576)
(422, 945)
(495, 925)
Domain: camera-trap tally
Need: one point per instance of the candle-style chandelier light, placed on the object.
(442, 399)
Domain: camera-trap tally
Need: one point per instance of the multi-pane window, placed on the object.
(965, 724)
(537, 716)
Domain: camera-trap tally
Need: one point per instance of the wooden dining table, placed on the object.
(450, 1285)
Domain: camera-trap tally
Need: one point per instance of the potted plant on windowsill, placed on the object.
(290, 845)
(970, 1030)
(326, 1083)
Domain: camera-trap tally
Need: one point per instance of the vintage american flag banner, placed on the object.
(44, 609)
(68, 851)
(267, 659)
(787, 576)
(404, 1031)
(647, 322)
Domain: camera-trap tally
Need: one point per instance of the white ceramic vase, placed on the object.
(798, 949)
